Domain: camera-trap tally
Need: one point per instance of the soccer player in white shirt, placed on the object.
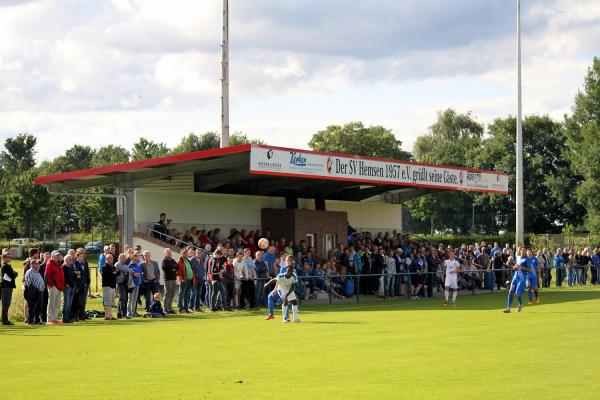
(286, 282)
(451, 284)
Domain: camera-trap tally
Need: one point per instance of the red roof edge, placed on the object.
(194, 155)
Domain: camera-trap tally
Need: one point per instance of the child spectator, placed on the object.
(156, 310)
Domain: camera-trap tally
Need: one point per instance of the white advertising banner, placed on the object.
(307, 164)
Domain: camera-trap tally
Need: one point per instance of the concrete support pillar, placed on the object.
(128, 216)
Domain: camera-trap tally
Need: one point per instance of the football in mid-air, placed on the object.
(263, 243)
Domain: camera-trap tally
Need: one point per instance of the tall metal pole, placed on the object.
(520, 222)
(225, 77)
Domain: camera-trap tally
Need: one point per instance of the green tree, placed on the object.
(109, 155)
(26, 203)
(193, 142)
(241, 138)
(546, 198)
(19, 154)
(76, 158)
(582, 131)
(144, 149)
(452, 140)
(355, 138)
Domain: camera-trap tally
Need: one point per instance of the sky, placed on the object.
(109, 72)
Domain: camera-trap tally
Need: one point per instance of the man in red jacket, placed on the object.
(55, 282)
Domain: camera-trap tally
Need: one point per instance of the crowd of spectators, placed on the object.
(228, 273)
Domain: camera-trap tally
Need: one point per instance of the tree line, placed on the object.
(561, 170)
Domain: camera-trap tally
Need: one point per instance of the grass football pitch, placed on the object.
(393, 349)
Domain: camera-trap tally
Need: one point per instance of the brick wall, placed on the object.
(296, 224)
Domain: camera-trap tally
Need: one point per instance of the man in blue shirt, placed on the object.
(495, 249)
(559, 264)
(517, 284)
(269, 259)
(532, 278)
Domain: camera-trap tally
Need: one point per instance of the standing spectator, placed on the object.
(34, 282)
(109, 284)
(102, 259)
(498, 265)
(170, 268)
(416, 278)
(390, 272)
(262, 273)
(483, 259)
(151, 273)
(433, 264)
(495, 249)
(228, 281)
(270, 258)
(542, 270)
(33, 254)
(584, 263)
(44, 304)
(595, 261)
(55, 282)
(79, 297)
(238, 275)
(185, 274)
(8, 277)
(161, 227)
(571, 263)
(136, 276)
(207, 286)
(122, 281)
(215, 267)
(197, 266)
(248, 281)
(400, 269)
(69, 291)
(378, 269)
(559, 265)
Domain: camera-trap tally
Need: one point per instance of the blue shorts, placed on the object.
(532, 282)
(517, 286)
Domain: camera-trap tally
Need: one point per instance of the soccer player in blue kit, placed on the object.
(274, 295)
(517, 284)
(532, 278)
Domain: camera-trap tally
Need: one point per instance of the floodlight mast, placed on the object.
(225, 77)
(520, 217)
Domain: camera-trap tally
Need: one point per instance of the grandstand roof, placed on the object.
(275, 171)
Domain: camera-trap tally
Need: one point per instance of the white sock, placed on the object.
(283, 311)
(446, 294)
(295, 311)
(454, 296)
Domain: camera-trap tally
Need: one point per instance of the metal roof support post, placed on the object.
(128, 216)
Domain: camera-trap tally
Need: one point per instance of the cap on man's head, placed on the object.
(56, 253)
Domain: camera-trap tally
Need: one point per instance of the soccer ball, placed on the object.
(507, 284)
(263, 243)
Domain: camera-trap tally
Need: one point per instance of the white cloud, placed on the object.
(75, 72)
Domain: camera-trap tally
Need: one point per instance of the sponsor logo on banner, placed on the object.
(329, 162)
(270, 165)
(297, 159)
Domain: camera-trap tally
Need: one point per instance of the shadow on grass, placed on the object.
(465, 302)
